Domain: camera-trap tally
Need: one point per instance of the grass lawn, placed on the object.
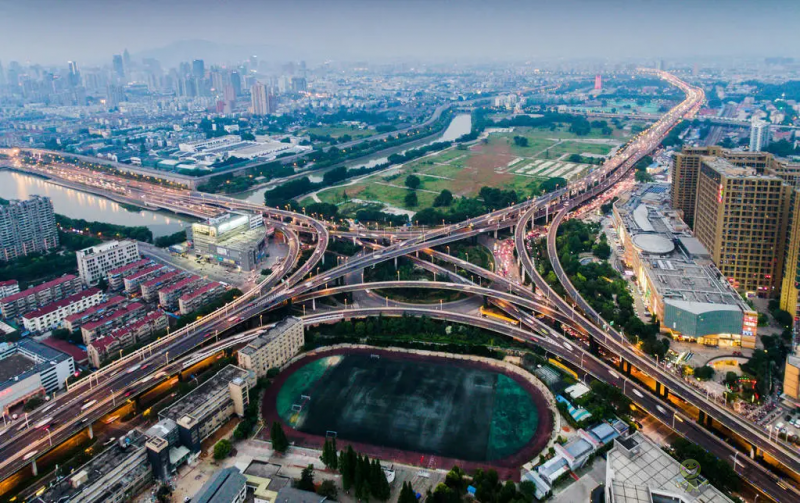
(337, 131)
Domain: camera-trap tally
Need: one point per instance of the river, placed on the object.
(459, 126)
(76, 204)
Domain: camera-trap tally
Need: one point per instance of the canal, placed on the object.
(76, 204)
(459, 126)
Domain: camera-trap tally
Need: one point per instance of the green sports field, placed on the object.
(427, 406)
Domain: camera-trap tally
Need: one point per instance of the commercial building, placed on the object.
(273, 348)
(133, 281)
(169, 295)
(9, 287)
(39, 296)
(197, 298)
(791, 377)
(125, 336)
(234, 239)
(27, 227)
(51, 315)
(678, 280)
(759, 135)
(110, 320)
(74, 322)
(201, 412)
(114, 475)
(96, 261)
(116, 277)
(638, 470)
(28, 368)
(225, 486)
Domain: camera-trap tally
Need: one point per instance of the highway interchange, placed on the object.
(67, 413)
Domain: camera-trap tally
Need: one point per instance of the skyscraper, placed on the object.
(236, 83)
(260, 99)
(198, 69)
(27, 227)
(74, 76)
(598, 82)
(119, 66)
(126, 59)
(759, 135)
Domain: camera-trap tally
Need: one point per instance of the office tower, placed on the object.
(253, 63)
(741, 217)
(27, 227)
(198, 69)
(236, 83)
(759, 135)
(598, 82)
(119, 66)
(94, 262)
(260, 99)
(126, 59)
(74, 76)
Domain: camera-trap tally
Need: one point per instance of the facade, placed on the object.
(27, 227)
(741, 217)
(133, 281)
(116, 277)
(201, 412)
(169, 295)
(194, 300)
(791, 377)
(273, 347)
(638, 470)
(678, 280)
(9, 287)
(52, 315)
(74, 322)
(759, 135)
(28, 368)
(225, 486)
(39, 296)
(260, 99)
(151, 287)
(110, 320)
(234, 239)
(95, 262)
(125, 336)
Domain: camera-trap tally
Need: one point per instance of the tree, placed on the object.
(279, 441)
(306, 481)
(411, 199)
(445, 198)
(33, 402)
(731, 379)
(643, 177)
(328, 490)
(575, 158)
(329, 456)
(413, 182)
(520, 141)
(164, 493)
(704, 373)
(222, 449)
(407, 494)
(348, 461)
(379, 485)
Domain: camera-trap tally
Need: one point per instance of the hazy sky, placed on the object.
(89, 31)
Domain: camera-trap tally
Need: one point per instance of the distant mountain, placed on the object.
(216, 53)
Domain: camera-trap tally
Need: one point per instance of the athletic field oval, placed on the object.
(420, 405)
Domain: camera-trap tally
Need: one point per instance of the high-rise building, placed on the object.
(74, 76)
(236, 83)
(741, 217)
(94, 262)
(759, 135)
(119, 66)
(27, 227)
(598, 82)
(198, 69)
(299, 84)
(126, 59)
(790, 287)
(260, 99)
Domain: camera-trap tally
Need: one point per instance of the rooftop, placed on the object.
(114, 315)
(72, 350)
(104, 247)
(54, 306)
(222, 487)
(161, 279)
(180, 284)
(133, 265)
(15, 365)
(200, 291)
(38, 288)
(99, 308)
(198, 402)
(145, 271)
(292, 495)
(267, 336)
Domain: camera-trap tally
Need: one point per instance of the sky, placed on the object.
(90, 31)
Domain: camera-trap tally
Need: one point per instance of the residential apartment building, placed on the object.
(125, 336)
(39, 296)
(133, 281)
(110, 320)
(53, 314)
(95, 262)
(116, 277)
(197, 298)
(273, 347)
(27, 227)
(169, 295)
(759, 135)
(151, 287)
(74, 322)
(9, 287)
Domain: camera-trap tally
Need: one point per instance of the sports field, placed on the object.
(461, 411)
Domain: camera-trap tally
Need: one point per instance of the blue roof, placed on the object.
(222, 487)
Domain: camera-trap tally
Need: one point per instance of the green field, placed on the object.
(339, 131)
(422, 406)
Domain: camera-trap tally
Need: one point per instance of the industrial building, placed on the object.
(638, 470)
(27, 227)
(95, 262)
(17, 304)
(234, 239)
(676, 275)
(28, 368)
(201, 412)
(53, 314)
(273, 348)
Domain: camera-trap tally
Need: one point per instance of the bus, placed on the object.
(487, 313)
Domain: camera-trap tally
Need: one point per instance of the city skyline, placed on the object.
(48, 32)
